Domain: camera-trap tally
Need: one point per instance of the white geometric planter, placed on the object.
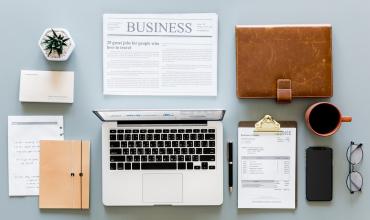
(67, 50)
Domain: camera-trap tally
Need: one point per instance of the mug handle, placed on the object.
(346, 119)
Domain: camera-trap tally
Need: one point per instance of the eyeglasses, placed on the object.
(354, 157)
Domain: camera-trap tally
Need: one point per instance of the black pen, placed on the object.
(230, 162)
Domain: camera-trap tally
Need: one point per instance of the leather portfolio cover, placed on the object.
(284, 61)
(64, 174)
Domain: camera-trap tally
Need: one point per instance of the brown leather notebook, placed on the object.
(284, 61)
(64, 174)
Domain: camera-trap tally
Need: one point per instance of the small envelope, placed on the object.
(46, 86)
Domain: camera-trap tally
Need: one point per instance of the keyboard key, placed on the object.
(151, 158)
(209, 136)
(203, 130)
(120, 137)
(141, 137)
(123, 143)
(196, 143)
(180, 158)
(204, 143)
(169, 151)
(128, 131)
(136, 166)
(198, 150)
(158, 158)
(153, 144)
(117, 151)
(131, 144)
(167, 143)
(158, 130)
(182, 143)
(119, 166)
(162, 150)
(154, 150)
(211, 130)
(142, 130)
(125, 151)
(173, 131)
(193, 137)
(135, 131)
(185, 136)
(164, 137)
(127, 166)
(160, 144)
(158, 166)
(117, 158)
(121, 131)
(176, 151)
(178, 137)
(204, 165)
(166, 131)
(188, 131)
(211, 143)
(140, 151)
(175, 144)
(212, 167)
(127, 137)
(145, 143)
(184, 151)
(181, 166)
(157, 137)
(171, 137)
(133, 151)
(166, 158)
(113, 137)
(113, 166)
(196, 130)
(200, 136)
(195, 158)
(209, 150)
(173, 158)
(189, 144)
(191, 150)
(129, 158)
(144, 158)
(149, 137)
(135, 137)
(148, 151)
(114, 144)
(138, 144)
(196, 167)
(189, 165)
(137, 158)
(207, 158)
(151, 131)
(187, 158)
(113, 131)
(181, 131)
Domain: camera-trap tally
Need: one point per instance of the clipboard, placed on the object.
(262, 169)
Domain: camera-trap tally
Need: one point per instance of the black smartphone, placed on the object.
(319, 174)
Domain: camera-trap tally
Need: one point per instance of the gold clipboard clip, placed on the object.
(267, 124)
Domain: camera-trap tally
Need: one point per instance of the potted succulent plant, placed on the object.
(56, 44)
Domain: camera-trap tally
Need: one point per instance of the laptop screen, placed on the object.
(160, 115)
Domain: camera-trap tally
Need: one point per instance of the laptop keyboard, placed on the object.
(162, 149)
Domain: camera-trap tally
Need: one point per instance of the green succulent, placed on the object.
(55, 42)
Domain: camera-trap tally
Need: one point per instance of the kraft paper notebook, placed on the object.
(284, 61)
(64, 174)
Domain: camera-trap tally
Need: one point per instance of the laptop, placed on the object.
(162, 157)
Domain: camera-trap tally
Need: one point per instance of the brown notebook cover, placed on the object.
(282, 62)
(64, 174)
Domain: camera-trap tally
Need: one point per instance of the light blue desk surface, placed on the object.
(22, 22)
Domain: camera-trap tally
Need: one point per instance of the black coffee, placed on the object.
(324, 118)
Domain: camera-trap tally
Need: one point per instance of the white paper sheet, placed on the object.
(160, 54)
(24, 134)
(266, 169)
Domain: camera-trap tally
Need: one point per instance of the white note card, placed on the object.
(24, 135)
(266, 169)
(160, 54)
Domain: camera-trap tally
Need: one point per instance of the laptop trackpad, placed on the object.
(162, 188)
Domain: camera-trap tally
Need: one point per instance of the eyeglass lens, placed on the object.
(355, 153)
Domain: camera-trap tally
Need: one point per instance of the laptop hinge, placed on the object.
(164, 122)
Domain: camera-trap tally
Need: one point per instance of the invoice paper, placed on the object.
(24, 135)
(266, 169)
(160, 54)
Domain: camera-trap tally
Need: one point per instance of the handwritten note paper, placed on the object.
(24, 134)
